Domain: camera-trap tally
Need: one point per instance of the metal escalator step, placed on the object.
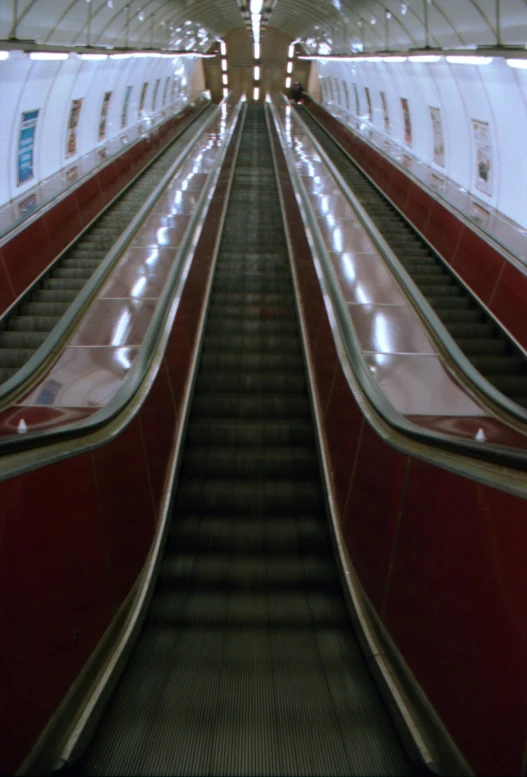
(250, 383)
(44, 309)
(267, 326)
(463, 329)
(251, 406)
(256, 343)
(226, 462)
(256, 497)
(233, 572)
(511, 385)
(251, 535)
(16, 340)
(32, 323)
(496, 365)
(284, 361)
(14, 357)
(69, 272)
(475, 346)
(247, 434)
(6, 373)
(249, 608)
(66, 284)
(54, 295)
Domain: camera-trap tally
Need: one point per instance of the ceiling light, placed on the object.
(48, 55)
(93, 56)
(4, 54)
(256, 93)
(394, 59)
(291, 53)
(289, 67)
(225, 79)
(257, 51)
(225, 92)
(464, 60)
(288, 82)
(223, 48)
(224, 65)
(424, 58)
(256, 73)
(120, 56)
(521, 64)
(256, 6)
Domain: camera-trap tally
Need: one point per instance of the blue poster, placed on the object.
(26, 143)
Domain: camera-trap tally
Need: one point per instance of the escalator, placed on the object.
(476, 333)
(247, 662)
(28, 324)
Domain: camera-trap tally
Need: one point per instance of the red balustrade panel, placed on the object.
(7, 293)
(478, 264)
(63, 223)
(417, 206)
(55, 594)
(456, 609)
(444, 231)
(509, 301)
(27, 255)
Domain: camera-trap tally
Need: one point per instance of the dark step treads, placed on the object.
(309, 609)
(15, 340)
(261, 343)
(250, 406)
(264, 326)
(251, 382)
(223, 462)
(273, 497)
(32, 323)
(284, 361)
(251, 433)
(195, 571)
(242, 534)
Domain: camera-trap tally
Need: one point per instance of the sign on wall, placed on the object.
(154, 98)
(483, 156)
(142, 100)
(385, 112)
(71, 139)
(407, 121)
(126, 103)
(26, 145)
(104, 115)
(368, 100)
(438, 137)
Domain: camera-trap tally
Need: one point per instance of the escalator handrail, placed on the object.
(18, 383)
(353, 361)
(498, 401)
(33, 442)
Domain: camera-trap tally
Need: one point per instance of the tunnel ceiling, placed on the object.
(323, 26)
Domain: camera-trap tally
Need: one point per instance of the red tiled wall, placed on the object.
(501, 285)
(25, 256)
(440, 557)
(75, 535)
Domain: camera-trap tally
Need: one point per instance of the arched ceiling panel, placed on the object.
(337, 25)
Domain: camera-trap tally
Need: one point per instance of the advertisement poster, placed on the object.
(126, 103)
(336, 89)
(142, 100)
(385, 112)
(165, 90)
(26, 145)
(437, 136)
(407, 121)
(104, 115)
(346, 95)
(71, 142)
(483, 156)
(357, 102)
(368, 101)
(154, 97)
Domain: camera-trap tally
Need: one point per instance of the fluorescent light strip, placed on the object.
(257, 48)
(288, 82)
(223, 48)
(225, 79)
(224, 65)
(4, 54)
(467, 60)
(256, 73)
(93, 56)
(289, 67)
(225, 92)
(291, 52)
(48, 55)
(520, 64)
(256, 93)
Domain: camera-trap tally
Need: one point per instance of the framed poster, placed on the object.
(142, 100)
(357, 102)
(385, 112)
(71, 139)
(368, 102)
(26, 146)
(104, 115)
(126, 103)
(407, 121)
(165, 90)
(437, 136)
(483, 156)
(346, 94)
(154, 96)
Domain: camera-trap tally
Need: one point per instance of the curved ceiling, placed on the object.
(323, 26)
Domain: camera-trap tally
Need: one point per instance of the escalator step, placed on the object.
(221, 462)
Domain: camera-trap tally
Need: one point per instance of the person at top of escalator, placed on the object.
(297, 92)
